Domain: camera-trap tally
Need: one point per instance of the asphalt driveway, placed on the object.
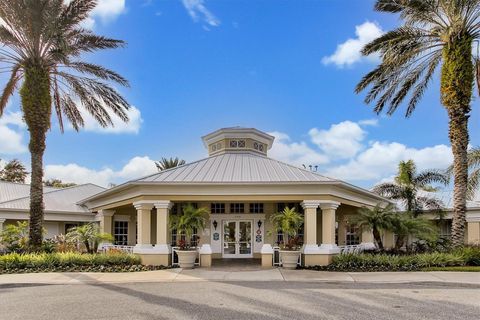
(240, 300)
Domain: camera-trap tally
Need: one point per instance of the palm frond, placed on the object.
(473, 186)
(98, 71)
(10, 86)
(388, 190)
(49, 32)
(427, 177)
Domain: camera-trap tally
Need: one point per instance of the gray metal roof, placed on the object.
(446, 196)
(58, 200)
(235, 168)
(10, 190)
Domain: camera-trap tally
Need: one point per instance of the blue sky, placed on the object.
(285, 67)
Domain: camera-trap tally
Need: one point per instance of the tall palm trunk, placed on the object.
(456, 94)
(400, 241)
(378, 238)
(36, 104)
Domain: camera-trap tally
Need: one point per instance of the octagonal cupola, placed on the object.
(238, 140)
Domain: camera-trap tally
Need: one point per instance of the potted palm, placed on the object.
(288, 222)
(185, 223)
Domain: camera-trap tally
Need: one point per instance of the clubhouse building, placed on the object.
(239, 185)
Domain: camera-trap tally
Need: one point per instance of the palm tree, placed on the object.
(474, 172)
(288, 221)
(407, 185)
(187, 222)
(375, 219)
(403, 225)
(14, 171)
(165, 163)
(434, 33)
(43, 41)
(89, 235)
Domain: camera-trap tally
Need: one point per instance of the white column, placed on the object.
(163, 210)
(105, 217)
(328, 245)
(310, 245)
(473, 227)
(132, 230)
(2, 221)
(143, 225)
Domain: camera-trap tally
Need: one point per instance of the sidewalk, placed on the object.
(179, 275)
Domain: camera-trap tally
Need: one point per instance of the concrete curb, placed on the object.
(202, 275)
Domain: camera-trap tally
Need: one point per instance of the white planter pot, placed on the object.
(186, 258)
(289, 259)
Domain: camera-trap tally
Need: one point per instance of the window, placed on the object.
(193, 240)
(256, 207)
(70, 226)
(120, 233)
(217, 207)
(216, 146)
(178, 207)
(300, 232)
(258, 146)
(445, 229)
(237, 208)
(283, 205)
(351, 235)
(237, 143)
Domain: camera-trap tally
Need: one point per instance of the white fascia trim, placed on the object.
(48, 217)
(473, 216)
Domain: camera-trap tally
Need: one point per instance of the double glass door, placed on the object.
(237, 239)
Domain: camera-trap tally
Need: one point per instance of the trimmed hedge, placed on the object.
(71, 262)
(469, 256)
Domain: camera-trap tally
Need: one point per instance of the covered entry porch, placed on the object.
(237, 229)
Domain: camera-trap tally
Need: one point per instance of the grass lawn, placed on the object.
(458, 268)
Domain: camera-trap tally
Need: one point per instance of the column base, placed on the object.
(159, 255)
(310, 249)
(329, 249)
(311, 260)
(313, 255)
(205, 253)
(267, 256)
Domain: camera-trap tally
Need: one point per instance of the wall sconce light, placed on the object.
(215, 224)
(259, 224)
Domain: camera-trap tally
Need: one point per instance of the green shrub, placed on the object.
(14, 237)
(439, 259)
(471, 255)
(70, 261)
(387, 262)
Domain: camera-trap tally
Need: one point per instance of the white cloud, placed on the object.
(135, 168)
(342, 140)
(106, 11)
(198, 12)
(13, 118)
(11, 140)
(297, 153)
(343, 153)
(349, 52)
(132, 126)
(380, 161)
